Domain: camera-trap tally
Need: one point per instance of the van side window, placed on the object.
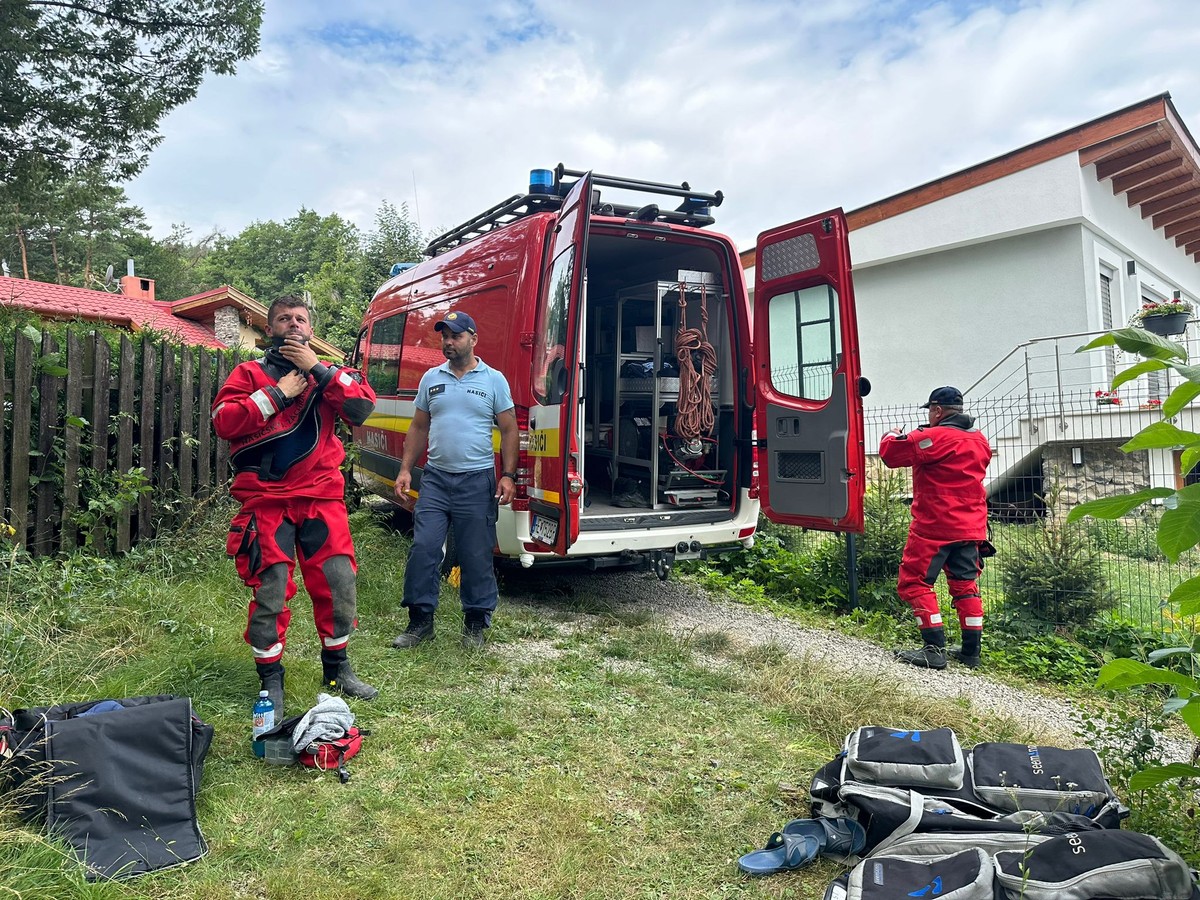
(549, 351)
(806, 342)
(383, 355)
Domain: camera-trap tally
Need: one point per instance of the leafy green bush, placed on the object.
(1035, 651)
(886, 529)
(880, 547)
(1134, 537)
(1178, 533)
(1111, 636)
(790, 566)
(1054, 575)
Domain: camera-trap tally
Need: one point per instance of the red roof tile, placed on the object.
(58, 301)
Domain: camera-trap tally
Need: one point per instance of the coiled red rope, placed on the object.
(694, 412)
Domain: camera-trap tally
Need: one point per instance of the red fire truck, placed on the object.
(658, 412)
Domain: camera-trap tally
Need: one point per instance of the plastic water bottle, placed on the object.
(264, 714)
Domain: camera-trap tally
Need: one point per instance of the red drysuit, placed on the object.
(949, 512)
(288, 462)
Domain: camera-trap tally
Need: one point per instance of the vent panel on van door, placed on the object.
(797, 254)
(800, 466)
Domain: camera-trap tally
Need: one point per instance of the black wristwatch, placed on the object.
(512, 475)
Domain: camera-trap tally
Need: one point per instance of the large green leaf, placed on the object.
(1187, 595)
(1156, 775)
(1191, 715)
(1188, 458)
(1156, 655)
(1179, 528)
(1115, 507)
(1124, 673)
(1135, 340)
(1191, 373)
(1148, 365)
(1180, 397)
(1161, 436)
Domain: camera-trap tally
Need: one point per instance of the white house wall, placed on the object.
(949, 317)
(1033, 199)
(1159, 265)
(962, 281)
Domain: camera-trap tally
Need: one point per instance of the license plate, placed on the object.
(544, 531)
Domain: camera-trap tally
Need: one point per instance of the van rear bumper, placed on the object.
(628, 546)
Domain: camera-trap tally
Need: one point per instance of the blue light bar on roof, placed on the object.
(541, 181)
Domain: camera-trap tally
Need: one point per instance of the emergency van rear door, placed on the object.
(808, 406)
(554, 510)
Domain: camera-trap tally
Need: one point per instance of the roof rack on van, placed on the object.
(547, 196)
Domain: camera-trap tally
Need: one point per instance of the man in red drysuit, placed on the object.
(949, 457)
(279, 414)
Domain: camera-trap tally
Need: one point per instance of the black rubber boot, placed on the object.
(419, 630)
(928, 657)
(968, 653)
(966, 659)
(472, 636)
(932, 655)
(350, 685)
(270, 676)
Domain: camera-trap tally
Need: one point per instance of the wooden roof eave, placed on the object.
(1158, 170)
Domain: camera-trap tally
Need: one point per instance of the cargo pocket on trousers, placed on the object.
(241, 545)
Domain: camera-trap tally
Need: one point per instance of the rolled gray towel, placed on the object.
(329, 719)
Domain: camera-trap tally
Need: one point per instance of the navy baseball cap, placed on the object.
(944, 396)
(458, 322)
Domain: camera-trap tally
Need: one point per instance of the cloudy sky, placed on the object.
(790, 107)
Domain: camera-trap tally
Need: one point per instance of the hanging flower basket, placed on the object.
(1166, 326)
(1165, 318)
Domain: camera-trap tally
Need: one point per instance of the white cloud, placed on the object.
(789, 108)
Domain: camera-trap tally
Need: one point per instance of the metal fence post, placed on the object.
(1062, 413)
(1029, 396)
(852, 567)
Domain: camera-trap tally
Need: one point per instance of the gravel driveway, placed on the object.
(685, 609)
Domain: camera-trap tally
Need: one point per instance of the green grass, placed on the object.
(588, 752)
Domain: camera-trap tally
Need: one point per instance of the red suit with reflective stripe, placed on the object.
(288, 462)
(949, 511)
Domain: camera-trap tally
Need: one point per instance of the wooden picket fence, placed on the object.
(81, 420)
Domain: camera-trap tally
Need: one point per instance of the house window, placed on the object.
(1106, 322)
(1156, 382)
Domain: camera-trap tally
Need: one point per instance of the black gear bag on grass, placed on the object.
(989, 788)
(1102, 864)
(116, 780)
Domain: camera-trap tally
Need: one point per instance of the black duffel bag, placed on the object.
(116, 779)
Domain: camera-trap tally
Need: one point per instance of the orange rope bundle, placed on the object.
(694, 415)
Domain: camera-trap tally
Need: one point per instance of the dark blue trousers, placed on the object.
(466, 500)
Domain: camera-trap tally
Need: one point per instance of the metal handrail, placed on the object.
(1030, 343)
(1026, 344)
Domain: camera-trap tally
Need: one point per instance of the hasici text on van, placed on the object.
(657, 415)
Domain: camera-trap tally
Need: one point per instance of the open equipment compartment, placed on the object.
(648, 445)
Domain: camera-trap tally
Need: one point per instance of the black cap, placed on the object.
(944, 396)
(457, 322)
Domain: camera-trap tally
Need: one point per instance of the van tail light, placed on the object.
(753, 465)
(524, 467)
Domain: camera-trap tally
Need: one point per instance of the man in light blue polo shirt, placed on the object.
(457, 402)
